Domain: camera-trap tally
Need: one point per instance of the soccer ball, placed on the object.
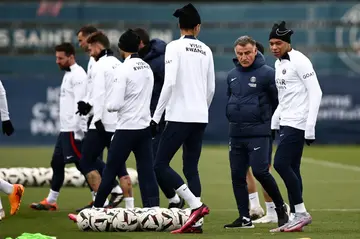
(181, 216)
(151, 221)
(28, 177)
(82, 219)
(169, 220)
(133, 174)
(13, 176)
(77, 179)
(101, 221)
(125, 221)
(38, 175)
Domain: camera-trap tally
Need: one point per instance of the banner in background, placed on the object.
(34, 110)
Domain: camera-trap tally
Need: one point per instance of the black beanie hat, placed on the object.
(129, 41)
(280, 32)
(188, 16)
(260, 47)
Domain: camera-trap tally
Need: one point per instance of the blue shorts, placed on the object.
(67, 148)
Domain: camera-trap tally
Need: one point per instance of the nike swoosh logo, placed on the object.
(233, 79)
(69, 157)
(281, 135)
(257, 148)
(282, 33)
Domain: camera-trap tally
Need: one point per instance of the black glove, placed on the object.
(83, 108)
(99, 126)
(309, 141)
(154, 128)
(273, 133)
(7, 127)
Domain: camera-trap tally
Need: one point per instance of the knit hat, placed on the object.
(280, 32)
(129, 41)
(188, 16)
(260, 47)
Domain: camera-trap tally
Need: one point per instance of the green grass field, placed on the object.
(331, 178)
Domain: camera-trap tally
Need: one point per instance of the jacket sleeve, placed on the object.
(307, 73)
(98, 99)
(272, 91)
(117, 95)
(210, 80)
(79, 88)
(3, 104)
(171, 70)
(228, 91)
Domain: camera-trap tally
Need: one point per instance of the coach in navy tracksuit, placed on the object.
(153, 53)
(252, 96)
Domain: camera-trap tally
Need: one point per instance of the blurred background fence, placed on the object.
(327, 32)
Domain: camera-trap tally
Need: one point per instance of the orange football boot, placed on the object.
(15, 198)
(44, 205)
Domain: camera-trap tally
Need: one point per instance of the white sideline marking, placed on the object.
(331, 164)
(336, 210)
(311, 210)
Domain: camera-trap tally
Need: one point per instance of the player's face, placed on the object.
(62, 60)
(245, 54)
(278, 47)
(94, 49)
(82, 42)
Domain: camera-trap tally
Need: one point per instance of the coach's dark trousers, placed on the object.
(287, 162)
(123, 143)
(175, 135)
(254, 152)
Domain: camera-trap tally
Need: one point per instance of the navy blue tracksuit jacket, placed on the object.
(154, 55)
(252, 99)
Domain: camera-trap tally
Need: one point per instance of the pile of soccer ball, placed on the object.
(37, 177)
(126, 220)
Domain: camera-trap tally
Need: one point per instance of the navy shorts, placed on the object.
(68, 148)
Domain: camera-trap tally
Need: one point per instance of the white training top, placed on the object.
(299, 93)
(72, 90)
(102, 74)
(131, 95)
(4, 112)
(189, 83)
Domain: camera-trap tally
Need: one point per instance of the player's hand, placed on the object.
(99, 126)
(154, 128)
(7, 127)
(309, 134)
(309, 141)
(83, 108)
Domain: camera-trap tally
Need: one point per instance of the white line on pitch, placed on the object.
(311, 210)
(331, 164)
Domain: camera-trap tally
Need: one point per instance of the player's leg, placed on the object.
(258, 148)
(15, 193)
(171, 140)
(2, 212)
(191, 155)
(147, 180)
(118, 153)
(93, 145)
(58, 168)
(290, 149)
(256, 210)
(239, 165)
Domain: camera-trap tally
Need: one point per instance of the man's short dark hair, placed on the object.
(244, 40)
(99, 37)
(66, 47)
(87, 30)
(144, 36)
